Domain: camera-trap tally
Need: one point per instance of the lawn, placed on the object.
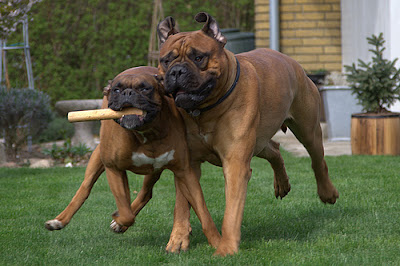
(362, 228)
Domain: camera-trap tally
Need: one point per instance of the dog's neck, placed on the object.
(227, 81)
(230, 76)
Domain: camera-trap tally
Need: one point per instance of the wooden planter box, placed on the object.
(375, 134)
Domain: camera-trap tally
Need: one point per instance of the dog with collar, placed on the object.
(146, 145)
(234, 105)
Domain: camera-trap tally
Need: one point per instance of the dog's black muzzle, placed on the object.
(187, 88)
(180, 78)
(130, 98)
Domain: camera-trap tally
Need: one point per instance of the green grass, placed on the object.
(362, 228)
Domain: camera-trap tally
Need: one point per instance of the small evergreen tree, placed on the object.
(375, 84)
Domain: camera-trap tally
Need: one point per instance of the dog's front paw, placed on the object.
(117, 228)
(54, 224)
(179, 240)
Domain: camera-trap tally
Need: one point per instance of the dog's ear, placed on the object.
(159, 78)
(210, 27)
(166, 28)
(106, 89)
(160, 86)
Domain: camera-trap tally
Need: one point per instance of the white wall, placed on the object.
(361, 19)
(395, 38)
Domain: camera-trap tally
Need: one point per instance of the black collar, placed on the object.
(197, 112)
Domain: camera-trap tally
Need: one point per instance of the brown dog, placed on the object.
(146, 145)
(234, 105)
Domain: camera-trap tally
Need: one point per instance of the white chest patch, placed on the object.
(205, 137)
(140, 159)
(141, 134)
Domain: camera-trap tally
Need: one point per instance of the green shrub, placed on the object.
(77, 46)
(68, 153)
(58, 129)
(23, 113)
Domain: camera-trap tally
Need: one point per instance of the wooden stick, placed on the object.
(102, 114)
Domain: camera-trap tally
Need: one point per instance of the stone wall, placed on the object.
(309, 31)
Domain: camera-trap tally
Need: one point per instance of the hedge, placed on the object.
(77, 46)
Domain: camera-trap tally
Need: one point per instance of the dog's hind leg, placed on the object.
(311, 137)
(94, 169)
(305, 124)
(281, 180)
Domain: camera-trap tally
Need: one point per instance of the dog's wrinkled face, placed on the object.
(190, 61)
(140, 91)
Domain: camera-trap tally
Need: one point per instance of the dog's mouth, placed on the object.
(136, 122)
(188, 87)
(139, 118)
(191, 99)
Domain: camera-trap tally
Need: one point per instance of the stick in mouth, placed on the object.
(102, 114)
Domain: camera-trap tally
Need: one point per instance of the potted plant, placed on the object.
(317, 76)
(376, 86)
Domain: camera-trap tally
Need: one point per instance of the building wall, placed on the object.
(361, 19)
(310, 31)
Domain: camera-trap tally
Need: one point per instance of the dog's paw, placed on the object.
(179, 240)
(176, 245)
(226, 248)
(282, 187)
(117, 228)
(328, 194)
(52, 225)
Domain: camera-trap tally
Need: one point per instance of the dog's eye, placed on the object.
(144, 89)
(116, 90)
(165, 62)
(198, 59)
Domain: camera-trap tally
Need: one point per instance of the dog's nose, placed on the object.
(127, 92)
(177, 71)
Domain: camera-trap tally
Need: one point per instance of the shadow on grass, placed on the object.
(301, 225)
